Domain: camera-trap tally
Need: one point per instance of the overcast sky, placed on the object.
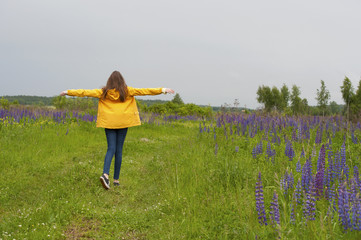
(210, 52)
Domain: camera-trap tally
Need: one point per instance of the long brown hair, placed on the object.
(116, 81)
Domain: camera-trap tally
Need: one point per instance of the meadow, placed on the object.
(232, 176)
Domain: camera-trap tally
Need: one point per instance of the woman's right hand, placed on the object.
(63, 93)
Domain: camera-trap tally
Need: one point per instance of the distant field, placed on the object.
(181, 178)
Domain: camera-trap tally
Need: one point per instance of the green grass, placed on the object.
(172, 186)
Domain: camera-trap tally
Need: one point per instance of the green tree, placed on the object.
(285, 96)
(323, 96)
(334, 107)
(357, 96)
(4, 103)
(304, 108)
(177, 99)
(276, 98)
(296, 101)
(347, 94)
(264, 96)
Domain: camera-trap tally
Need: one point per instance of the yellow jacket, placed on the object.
(111, 112)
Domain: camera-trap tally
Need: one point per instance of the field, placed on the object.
(230, 177)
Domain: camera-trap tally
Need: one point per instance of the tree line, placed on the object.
(291, 102)
(89, 105)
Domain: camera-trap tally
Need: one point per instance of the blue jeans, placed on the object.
(115, 139)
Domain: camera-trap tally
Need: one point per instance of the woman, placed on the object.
(117, 110)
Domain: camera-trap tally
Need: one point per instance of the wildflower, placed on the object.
(259, 148)
(275, 212)
(260, 202)
(356, 214)
(310, 205)
(292, 218)
(303, 153)
(321, 158)
(298, 193)
(294, 135)
(306, 175)
(254, 152)
(298, 166)
(354, 139)
(344, 207)
(318, 138)
(289, 152)
(343, 156)
(287, 181)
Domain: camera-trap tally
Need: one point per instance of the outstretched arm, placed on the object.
(148, 91)
(96, 93)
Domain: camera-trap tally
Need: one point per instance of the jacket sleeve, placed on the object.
(96, 93)
(144, 91)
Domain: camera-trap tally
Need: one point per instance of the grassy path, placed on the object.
(50, 185)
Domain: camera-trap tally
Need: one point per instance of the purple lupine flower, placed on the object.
(284, 183)
(356, 214)
(321, 158)
(294, 135)
(320, 172)
(289, 151)
(260, 202)
(307, 132)
(356, 177)
(298, 192)
(343, 156)
(254, 152)
(318, 138)
(275, 211)
(346, 171)
(236, 148)
(319, 183)
(303, 153)
(336, 167)
(298, 166)
(331, 194)
(306, 175)
(269, 150)
(313, 152)
(216, 149)
(270, 153)
(290, 180)
(354, 138)
(259, 148)
(344, 207)
(299, 134)
(309, 208)
(292, 217)
(327, 178)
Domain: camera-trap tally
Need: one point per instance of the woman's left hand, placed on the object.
(168, 90)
